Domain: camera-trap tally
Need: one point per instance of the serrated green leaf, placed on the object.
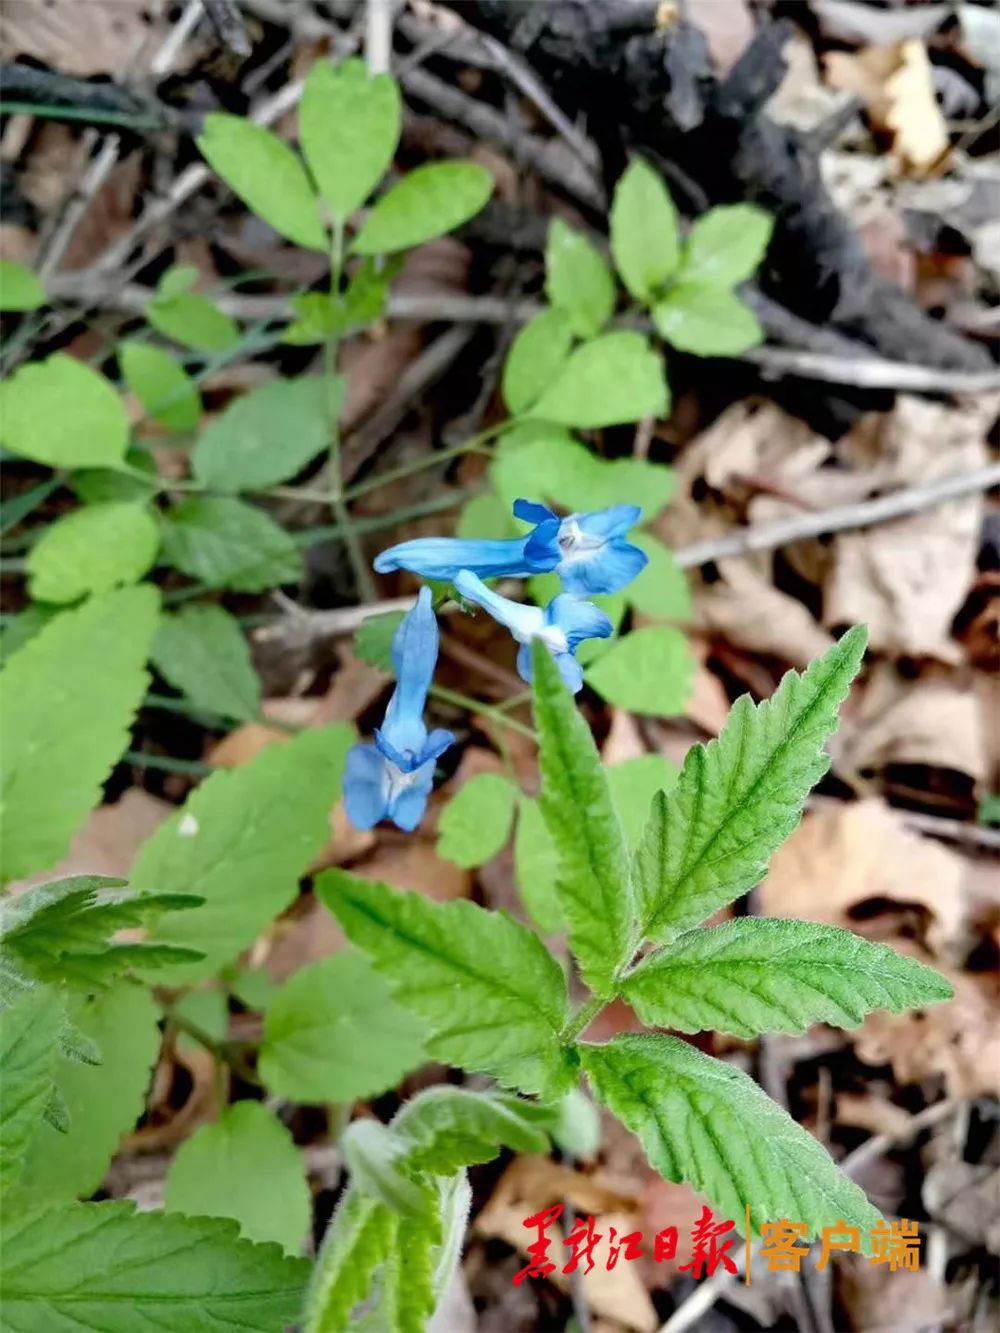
(740, 796)
(633, 784)
(726, 245)
(266, 175)
(193, 321)
(105, 1100)
(408, 1296)
(20, 288)
(644, 238)
(373, 639)
(593, 884)
(267, 435)
(61, 931)
(536, 865)
(360, 1237)
(245, 1166)
(708, 1124)
(163, 387)
(349, 125)
(23, 627)
(29, 1032)
(577, 280)
(442, 961)
(228, 544)
(62, 413)
(535, 356)
(73, 1044)
(202, 652)
(475, 824)
(661, 589)
(375, 1155)
(89, 1266)
(648, 671)
(751, 976)
(613, 379)
(92, 550)
(427, 202)
(63, 728)
(450, 1128)
(706, 320)
(241, 842)
(333, 1033)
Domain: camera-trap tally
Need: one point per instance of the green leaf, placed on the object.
(61, 931)
(360, 1237)
(535, 356)
(104, 485)
(374, 1154)
(442, 961)
(29, 1032)
(407, 1288)
(709, 321)
(373, 639)
(62, 413)
(577, 1126)
(593, 884)
(486, 516)
(267, 435)
(228, 544)
(644, 238)
(577, 280)
(163, 387)
(751, 976)
(427, 202)
(449, 1128)
(90, 1266)
(726, 245)
(202, 652)
(319, 316)
(661, 589)
(20, 288)
(333, 1033)
(193, 321)
(705, 1123)
(609, 381)
(349, 125)
(630, 481)
(208, 1009)
(633, 784)
(648, 671)
(536, 864)
(176, 279)
(475, 824)
(63, 727)
(241, 842)
(92, 550)
(246, 1166)
(21, 628)
(740, 796)
(104, 1100)
(266, 175)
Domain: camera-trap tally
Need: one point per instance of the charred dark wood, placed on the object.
(653, 90)
(107, 103)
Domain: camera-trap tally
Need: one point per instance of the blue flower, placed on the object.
(588, 551)
(392, 778)
(562, 626)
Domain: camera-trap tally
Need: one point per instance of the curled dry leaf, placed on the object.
(846, 864)
(83, 39)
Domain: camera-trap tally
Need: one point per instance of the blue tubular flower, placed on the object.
(392, 778)
(443, 557)
(562, 626)
(588, 551)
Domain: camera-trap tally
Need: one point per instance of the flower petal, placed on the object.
(522, 621)
(443, 557)
(437, 742)
(414, 655)
(365, 786)
(578, 620)
(569, 668)
(606, 569)
(407, 808)
(532, 512)
(541, 548)
(614, 521)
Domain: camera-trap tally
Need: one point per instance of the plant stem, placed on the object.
(190, 767)
(227, 1052)
(474, 706)
(362, 574)
(471, 445)
(582, 1019)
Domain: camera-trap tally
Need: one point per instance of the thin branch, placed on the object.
(378, 35)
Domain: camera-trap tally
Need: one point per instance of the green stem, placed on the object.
(471, 445)
(227, 1052)
(190, 767)
(582, 1019)
(475, 706)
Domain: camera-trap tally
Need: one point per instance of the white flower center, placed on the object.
(553, 638)
(395, 781)
(574, 544)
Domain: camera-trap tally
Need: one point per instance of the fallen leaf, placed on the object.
(82, 39)
(414, 864)
(748, 610)
(965, 1197)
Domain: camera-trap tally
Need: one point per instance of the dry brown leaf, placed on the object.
(965, 1197)
(80, 38)
(890, 1305)
(412, 863)
(897, 85)
(305, 935)
(847, 862)
(745, 608)
(801, 99)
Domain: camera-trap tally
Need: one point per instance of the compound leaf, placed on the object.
(93, 550)
(577, 280)
(443, 961)
(740, 796)
(265, 436)
(751, 976)
(29, 1033)
(613, 379)
(202, 652)
(427, 202)
(644, 238)
(62, 413)
(647, 671)
(705, 1123)
(450, 1128)
(475, 824)
(535, 356)
(708, 321)
(726, 244)
(228, 544)
(163, 387)
(193, 321)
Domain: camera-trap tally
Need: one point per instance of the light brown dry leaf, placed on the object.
(412, 863)
(80, 38)
(959, 1040)
(875, 1114)
(891, 1304)
(166, 1125)
(896, 84)
(801, 99)
(965, 1198)
(846, 862)
(305, 935)
(748, 610)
